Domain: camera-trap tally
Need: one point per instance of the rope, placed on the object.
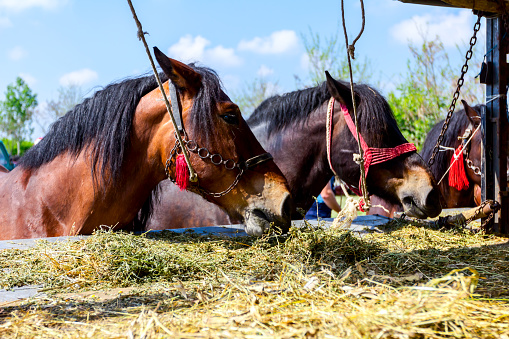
(373, 155)
(328, 134)
(141, 36)
(456, 158)
(351, 49)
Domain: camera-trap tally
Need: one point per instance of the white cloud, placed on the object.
(222, 56)
(451, 29)
(29, 79)
(17, 53)
(277, 43)
(304, 62)
(189, 49)
(20, 5)
(79, 77)
(5, 22)
(264, 71)
(231, 83)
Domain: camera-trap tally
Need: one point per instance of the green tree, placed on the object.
(252, 94)
(423, 97)
(329, 54)
(68, 97)
(17, 111)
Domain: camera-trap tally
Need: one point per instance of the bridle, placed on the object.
(204, 153)
(469, 132)
(372, 155)
(465, 147)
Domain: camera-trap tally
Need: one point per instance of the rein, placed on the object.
(372, 155)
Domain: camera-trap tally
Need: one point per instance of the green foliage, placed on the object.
(252, 94)
(424, 91)
(68, 97)
(329, 54)
(423, 96)
(11, 146)
(17, 110)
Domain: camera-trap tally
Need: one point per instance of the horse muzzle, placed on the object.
(422, 206)
(258, 219)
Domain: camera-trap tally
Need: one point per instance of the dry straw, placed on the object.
(409, 282)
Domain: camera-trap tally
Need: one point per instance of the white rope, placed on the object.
(347, 214)
(445, 148)
(456, 157)
(495, 97)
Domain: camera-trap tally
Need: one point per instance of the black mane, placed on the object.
(103, 124)
(459, 120)
(374, 113)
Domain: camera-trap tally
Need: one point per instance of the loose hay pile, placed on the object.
(409, 282)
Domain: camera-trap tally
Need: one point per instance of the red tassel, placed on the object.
(457, 176)
(181, 172)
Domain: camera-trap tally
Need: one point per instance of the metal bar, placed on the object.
(496, 123)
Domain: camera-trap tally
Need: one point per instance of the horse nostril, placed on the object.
(287, 207)
(408, 201)
(433, 199)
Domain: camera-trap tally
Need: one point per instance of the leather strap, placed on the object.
(257, 160)
(177, 115)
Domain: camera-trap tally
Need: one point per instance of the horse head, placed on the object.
(233, 169)
(472, 151)
(405, 179)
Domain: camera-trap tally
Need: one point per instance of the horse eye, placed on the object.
(230, 119)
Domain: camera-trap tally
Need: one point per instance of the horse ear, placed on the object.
(340, 91)
(179, 73)
(471, 113)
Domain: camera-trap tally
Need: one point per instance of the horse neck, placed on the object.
(299, 151)
(143, 168)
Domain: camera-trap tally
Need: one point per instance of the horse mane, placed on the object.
(103, 124)
(282, 110)
(374, 113)
(459, 120)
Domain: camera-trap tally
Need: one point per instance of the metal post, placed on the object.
(495, 125)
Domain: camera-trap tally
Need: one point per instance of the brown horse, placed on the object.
(100, 163)
(464, 124)
(292, 128)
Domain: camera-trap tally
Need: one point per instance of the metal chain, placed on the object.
(456, 95)
(470, 164)
(494, 209)
(226, 191)
(215, 158)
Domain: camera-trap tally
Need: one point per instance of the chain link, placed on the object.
(470, 164)
(204, 153)
(494, 208)
(456, 95)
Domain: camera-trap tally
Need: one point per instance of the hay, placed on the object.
(410, 282)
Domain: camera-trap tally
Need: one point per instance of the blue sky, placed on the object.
(92, 43)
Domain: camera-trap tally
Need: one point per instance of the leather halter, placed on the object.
(372, 155)
(466, 146)
(175, 107)
(204, 153)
